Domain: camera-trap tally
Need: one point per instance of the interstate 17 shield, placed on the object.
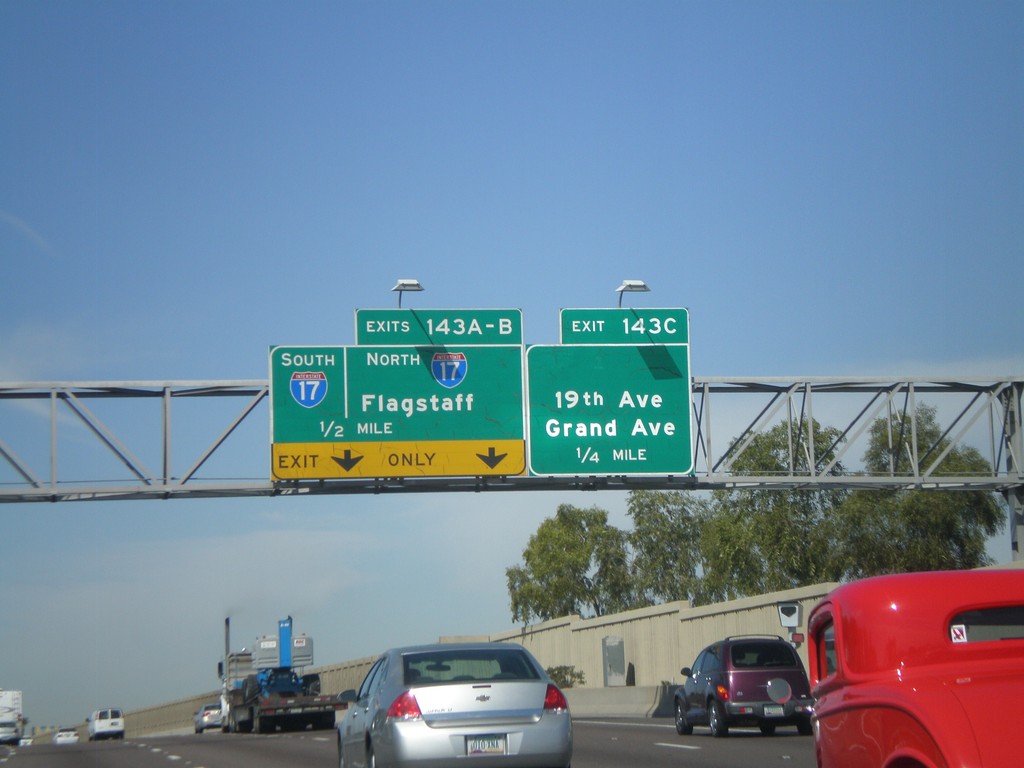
(449, 368)
(309, 388)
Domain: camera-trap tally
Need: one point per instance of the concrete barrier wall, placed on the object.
(657, 642)
(635, 701)
(349, 674)
(660, 640)
(170, 718)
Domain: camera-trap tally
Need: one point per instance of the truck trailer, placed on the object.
(263, 690)
(12, 717)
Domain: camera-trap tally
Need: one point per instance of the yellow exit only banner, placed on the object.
(431, 458)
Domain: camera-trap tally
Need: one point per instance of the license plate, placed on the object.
(491, 744)
(773, 710)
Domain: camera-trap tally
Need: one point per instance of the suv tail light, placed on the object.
(554, 699)
(723, 692)
(405, 707)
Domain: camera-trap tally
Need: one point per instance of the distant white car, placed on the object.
(106, 724)
(209, 716)
(66, 736)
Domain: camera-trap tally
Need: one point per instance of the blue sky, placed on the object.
(830, 188)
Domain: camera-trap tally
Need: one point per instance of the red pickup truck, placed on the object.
(920, 670)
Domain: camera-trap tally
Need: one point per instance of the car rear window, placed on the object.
(987, 624)
(767, 654)
(466, 666)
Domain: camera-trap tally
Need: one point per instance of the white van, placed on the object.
(106, 724)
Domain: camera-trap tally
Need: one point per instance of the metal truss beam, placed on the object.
(52, 438)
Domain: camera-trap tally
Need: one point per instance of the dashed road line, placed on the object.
(676, 746)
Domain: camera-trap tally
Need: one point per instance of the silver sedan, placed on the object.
(441, 705)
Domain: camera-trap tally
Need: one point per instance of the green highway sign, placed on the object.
(439, 327)
(624, 326)
(396, 411)
(613, 409)
(454, 393)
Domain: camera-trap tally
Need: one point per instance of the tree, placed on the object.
(576, 563)
(665, 544)
(757, 541)
(898, 531)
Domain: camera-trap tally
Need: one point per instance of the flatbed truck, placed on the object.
(263, 690)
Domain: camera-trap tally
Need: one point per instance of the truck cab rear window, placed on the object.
(988, 624)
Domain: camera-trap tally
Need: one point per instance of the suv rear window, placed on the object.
(468, 665)
(762, 654)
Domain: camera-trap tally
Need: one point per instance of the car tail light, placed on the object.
(404, 707)
(554, 699)
(723, 692)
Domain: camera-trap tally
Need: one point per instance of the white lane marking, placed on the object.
(675, 746)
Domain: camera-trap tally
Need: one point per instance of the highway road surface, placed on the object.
(597, 744)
